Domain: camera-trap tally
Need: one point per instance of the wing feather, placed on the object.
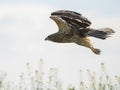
(62, 24)
(75, 22)
(73, 17)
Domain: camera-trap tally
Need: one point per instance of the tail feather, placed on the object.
(102, 33)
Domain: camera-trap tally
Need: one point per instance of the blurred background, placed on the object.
(24, 24)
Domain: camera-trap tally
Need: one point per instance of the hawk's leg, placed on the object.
(87, 43)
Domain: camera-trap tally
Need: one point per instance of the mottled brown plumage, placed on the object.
(74, 28)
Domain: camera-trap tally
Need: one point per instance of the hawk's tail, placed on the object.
(102, 33)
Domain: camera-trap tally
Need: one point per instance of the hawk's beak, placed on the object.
(46, 38)
(50, 16)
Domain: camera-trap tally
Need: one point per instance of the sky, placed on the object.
(24, 25)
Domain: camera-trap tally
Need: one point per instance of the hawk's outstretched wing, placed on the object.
(73, 18)
(63, 25)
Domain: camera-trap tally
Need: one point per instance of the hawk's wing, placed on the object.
(73, 18)
(63, 26)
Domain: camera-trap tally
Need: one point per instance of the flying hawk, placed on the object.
(74, 28)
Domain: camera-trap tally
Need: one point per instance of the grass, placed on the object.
(36, 81)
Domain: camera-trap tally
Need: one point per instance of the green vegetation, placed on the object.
(37, 81)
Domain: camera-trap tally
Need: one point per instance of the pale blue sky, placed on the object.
(25, 23)
(105, 7)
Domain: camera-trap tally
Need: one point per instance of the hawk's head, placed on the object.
(50, 38)
(56, 37)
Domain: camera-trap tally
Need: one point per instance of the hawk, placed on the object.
(74, 28)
